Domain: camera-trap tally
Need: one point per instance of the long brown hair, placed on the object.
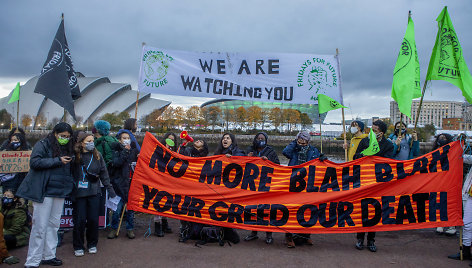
(78, 148)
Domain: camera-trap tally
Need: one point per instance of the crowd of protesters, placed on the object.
(76, 165)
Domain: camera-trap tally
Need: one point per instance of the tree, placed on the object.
(275, 115)
(154, 119)
(40, 121)
(254, 116)
(210, 116)
(26, 120)
(240, 116)
(193, 116)
(264, 117)
(179, 116)
(228, 116)
(111, 118)
(5, 119)
(291, 117)
(123, 116)
(305, 120)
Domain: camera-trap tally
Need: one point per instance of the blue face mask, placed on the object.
(7, 201)
(15, 144)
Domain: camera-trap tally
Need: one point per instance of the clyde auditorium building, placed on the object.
(99, 96)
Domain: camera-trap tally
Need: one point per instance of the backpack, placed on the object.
(207, 234)
(103, 145)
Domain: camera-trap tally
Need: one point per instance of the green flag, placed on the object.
(326, 104)
(373, 145)
(406, 76)
(15, 96)
(447, 62)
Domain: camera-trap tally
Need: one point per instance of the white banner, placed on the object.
(272, 77)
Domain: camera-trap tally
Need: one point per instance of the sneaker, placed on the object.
(52, 262)
(269, 240)
(371, 246)
(92, 250)
(130, 234)
(252, 236)
(79, 253)
(450, 231)
(440, 230)
(360, 244)
(111, 234)
(290, 243)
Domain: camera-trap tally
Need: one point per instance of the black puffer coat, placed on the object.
(120, 170)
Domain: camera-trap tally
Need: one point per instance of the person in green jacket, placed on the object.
(15, 227)
(103, 140)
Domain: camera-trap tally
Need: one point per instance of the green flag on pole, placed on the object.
(326, 104)
(406, 76)
(373, 145)
(15, 96)
(447, 61)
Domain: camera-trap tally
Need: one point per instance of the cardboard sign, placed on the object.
(14, 161)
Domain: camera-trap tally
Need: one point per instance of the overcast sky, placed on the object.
(105, 38)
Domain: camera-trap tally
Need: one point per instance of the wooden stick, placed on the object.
(344, 134)
(137, 96)
(121, 219)
(321, 135)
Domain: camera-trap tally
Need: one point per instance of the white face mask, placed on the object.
(126, 142)
(354, 130)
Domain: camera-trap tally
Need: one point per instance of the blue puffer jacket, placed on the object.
(47, 176)
(292, 150)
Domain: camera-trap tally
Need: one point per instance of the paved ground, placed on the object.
(416, 248)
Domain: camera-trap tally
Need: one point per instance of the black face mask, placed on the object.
(441, 142)
(398, 131)
(7, 202)
(260, 144)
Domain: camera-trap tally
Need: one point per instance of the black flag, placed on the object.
(57, 80)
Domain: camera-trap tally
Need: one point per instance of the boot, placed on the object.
(165, 226)
(158, 229)
(465, 254)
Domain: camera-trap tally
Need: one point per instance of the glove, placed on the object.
(11, 260)
(322, 157)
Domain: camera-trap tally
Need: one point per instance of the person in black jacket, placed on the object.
(386, 150)
(260, 149)
(89, 170)
(125, 154)
(12, 181)
(229, 146)
(10, 134)
(161, 224)
(47, 183)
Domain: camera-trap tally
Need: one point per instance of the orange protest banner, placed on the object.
(367, 194)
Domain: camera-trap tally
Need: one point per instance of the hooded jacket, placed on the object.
(266, 151)
(120, 169)
(16, 224)
(354, 144)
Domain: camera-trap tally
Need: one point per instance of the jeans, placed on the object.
(128, 217)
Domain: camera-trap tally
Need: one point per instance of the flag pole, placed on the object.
(321, 135)
(342, 110)
(137, 95)
(18, 111)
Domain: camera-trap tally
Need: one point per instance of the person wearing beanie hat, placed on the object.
(89, 171)
(299, 151)
(357, 130)
(103, 140)
(260, 149)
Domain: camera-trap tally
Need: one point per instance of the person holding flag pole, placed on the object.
(447, 63)
(374, 145)
(326, 104)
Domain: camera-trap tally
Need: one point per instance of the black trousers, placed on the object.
(370, 236)
(85, 215)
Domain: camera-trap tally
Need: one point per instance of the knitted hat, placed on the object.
(103, 127)
(304, 135)
(361, 125)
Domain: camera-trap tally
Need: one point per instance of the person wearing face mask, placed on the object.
(125, 153)
(89, 171)
(103, 140)
(401, 143)
(357, 131)
(13, 180)
(47, 183)
(161, 224)
(15, 226)
(298, 152)
(130, 126)
(441, 140)
(13, 131)
(260, 149)
(386, 150)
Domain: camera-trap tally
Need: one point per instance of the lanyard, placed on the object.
(83, 173)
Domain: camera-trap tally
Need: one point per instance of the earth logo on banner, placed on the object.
(317, 75)
(156, 65)
(449, 38)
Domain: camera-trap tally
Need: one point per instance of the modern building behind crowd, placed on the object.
(310, 109)
(432, 112)
(99, 96)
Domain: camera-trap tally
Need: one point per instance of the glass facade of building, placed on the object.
(310, 109)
